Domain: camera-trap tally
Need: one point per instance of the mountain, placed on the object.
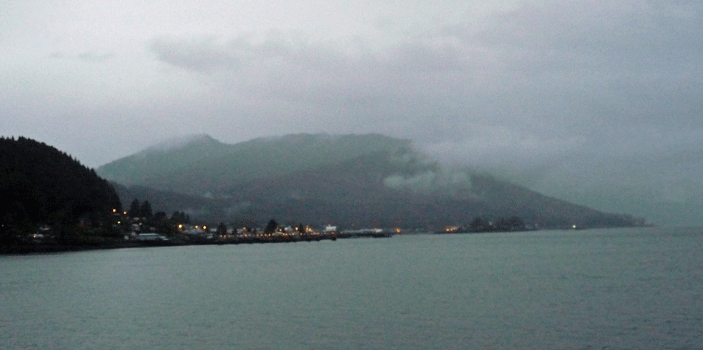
(201, 165)
(348, 180)
(40, 185)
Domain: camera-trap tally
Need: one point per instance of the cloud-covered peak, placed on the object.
(552, 89)
(181, 142)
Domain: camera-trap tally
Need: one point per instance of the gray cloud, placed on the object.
(615, 53)
(89, 56)
(95, 57)
(564, 97)
(284, 64)
(443, 179)
(200, 55)
(541, 90)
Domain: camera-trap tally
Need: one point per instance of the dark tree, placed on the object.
(134, 210)
(271, 226)
(516, 224)
(145, 210)
(479, 225)
(160, 216)
(502, 225)
(180, 217)
(40, 185)
(222, 229)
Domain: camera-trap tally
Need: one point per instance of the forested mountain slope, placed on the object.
(348, 180)
(40, 185)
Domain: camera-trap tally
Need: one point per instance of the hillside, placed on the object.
(40, 185)
(350, 180)
(201, 165)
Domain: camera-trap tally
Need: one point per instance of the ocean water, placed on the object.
(593, 289)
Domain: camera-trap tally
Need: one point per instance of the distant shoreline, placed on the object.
(49, 248)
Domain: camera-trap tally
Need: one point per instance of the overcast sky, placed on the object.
(561, 96)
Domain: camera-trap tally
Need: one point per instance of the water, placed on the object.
(594, 289)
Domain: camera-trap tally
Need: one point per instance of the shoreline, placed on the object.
(49, 248)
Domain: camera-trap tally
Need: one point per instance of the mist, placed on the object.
(597, 102)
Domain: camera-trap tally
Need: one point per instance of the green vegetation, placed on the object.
(45, 189)
(271, 226)
(140, 214)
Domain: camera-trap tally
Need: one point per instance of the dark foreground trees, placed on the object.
(41, 186)
(142, 210)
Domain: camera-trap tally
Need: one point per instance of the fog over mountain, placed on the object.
(592, 101)
(280, 154)
(568, 179)
(178, 142)
(350, 180)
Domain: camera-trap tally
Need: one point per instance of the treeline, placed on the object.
(42, 186)
(513, 223)
(484, 224)
(144, 210)
(142, 214)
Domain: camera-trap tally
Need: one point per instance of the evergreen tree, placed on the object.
(221, 229)
(271, 226)
(145, 210)
(40, 185)
(180, 217)
(134, 209)
(479, 225)
(516, 223)
(160, 216)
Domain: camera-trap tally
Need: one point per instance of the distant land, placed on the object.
(354, 181)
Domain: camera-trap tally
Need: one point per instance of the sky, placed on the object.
(596, 102)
